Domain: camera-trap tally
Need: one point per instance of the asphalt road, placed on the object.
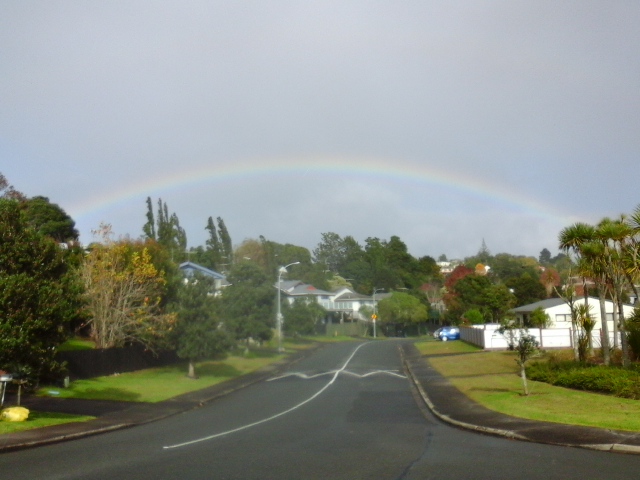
(347, 412)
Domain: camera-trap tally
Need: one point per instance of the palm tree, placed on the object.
(571, 240)
(631, 259)
(595, 254)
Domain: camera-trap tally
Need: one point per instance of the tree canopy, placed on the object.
(40, 295)
(199, 332)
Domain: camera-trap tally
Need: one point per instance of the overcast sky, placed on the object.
(444, 123)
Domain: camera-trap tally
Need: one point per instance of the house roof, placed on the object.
(351, 296)
(298, 288)
(544, 304)
(550, 303)
(189, 267)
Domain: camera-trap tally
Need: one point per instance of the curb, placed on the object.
(447, 419)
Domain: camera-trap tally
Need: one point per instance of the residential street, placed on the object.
(346, 412)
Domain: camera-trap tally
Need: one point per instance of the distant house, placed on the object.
(560, 313)
(346, 304)
(342, 304)
(189, 268)
(295, 289)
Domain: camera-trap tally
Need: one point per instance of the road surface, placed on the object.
(347, 412)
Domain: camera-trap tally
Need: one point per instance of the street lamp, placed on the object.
(281, 270)
(375, 315)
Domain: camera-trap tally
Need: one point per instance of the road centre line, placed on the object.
(273, 417)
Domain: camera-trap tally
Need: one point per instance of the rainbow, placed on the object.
(375, 169)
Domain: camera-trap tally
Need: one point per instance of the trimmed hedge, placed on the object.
(616, 381)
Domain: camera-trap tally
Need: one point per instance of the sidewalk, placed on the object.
(443, 399)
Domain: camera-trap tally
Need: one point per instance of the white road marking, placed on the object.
(346, 372)
(333, 379)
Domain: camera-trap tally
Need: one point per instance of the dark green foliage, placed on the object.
(478, 292)
(610, 380)
(166, 231)
(247, 304)
(539, 318)
(40, 296)
(49, 219)
(149, 228)
(633, 332)
(380, 264)
(301, 317)
(527, 288)
(545, 257)
(200, 334)
(225, 242)
(402, 309)
(473, 316)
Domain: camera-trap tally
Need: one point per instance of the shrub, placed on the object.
(624, 383)
(473, 316)
(633, 332)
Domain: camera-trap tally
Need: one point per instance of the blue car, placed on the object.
(449, 333)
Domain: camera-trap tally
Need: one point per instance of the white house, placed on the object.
(343, 303)
(295, 289)
(560, 313)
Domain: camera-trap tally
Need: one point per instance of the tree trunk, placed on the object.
(606, 353)
(192, 370)
(626, 361)
(523, 375)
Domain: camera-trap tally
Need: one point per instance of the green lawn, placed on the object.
(158, 384)
(76, 344)
(491, 379)
(40, 419)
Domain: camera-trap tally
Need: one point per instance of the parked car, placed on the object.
(449, 333)
(436, 333)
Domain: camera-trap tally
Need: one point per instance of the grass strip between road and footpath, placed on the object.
(492, 379)
(158, 384)
(41, 419)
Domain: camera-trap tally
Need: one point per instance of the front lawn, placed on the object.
(491, 379)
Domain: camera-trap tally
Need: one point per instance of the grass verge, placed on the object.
(158, 384)
(41, 419)
(491, 379)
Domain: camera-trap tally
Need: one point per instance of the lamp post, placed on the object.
(281, 270)
(375, 313)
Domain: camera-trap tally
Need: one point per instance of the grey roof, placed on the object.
(553, 302)
(346, 296)
(297, 288)
(189, 267)
(544, 304)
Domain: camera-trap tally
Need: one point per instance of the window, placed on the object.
(563, 318)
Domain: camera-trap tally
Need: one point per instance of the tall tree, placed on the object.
(225, 241)
(40, 295)
(545, 257)
(247, 304)
(124, 292)
(149, 228)
(49, 219)
(167, 231)
(213, 250)
(402, 309)
(200, 333)
(571, 240)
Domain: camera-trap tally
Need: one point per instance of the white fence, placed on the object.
(488, 337)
